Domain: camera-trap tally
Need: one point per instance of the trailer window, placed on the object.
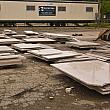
(30, 8)
(61, 8)
(47, 10)
(89, 9)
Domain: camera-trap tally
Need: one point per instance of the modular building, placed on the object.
(53, 12)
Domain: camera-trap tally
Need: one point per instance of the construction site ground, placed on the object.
(44, 85)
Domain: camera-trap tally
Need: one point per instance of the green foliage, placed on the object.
(105, 6)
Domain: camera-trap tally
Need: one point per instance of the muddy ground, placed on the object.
(37, 86)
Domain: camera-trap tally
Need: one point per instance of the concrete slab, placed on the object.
(45, 52)
(102, 57)
(26, 47)
(19, 36)
(9, 32)
(11, 59)
(3, 36)
(82, 57)
(39, 40)
(104, 51)
(58, 37)
(32, 36)
(9, 41)
(5, 49)
(31, 33)
(92, 73)
(5, 54)
(82, 44)
(101, 90)
(64, 54)
(54, 34)
(10, 62)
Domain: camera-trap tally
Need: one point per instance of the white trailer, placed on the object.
(53, 12)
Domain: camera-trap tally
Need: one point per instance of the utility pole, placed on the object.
(98, 17)
(100, 20)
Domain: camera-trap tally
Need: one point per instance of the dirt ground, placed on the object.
(37, 86)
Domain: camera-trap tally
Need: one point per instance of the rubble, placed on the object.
(68, 90)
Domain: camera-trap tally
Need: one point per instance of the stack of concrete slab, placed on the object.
(39, 40)
(82, 44)
(10, 59)
(62, 55)
(81, 57)
(58, 37)
(19, 36)
(102, 53)
(43, 52)
(27, 47)
(9, 41)
(53, 54)
(9, 32)
(55, 35)
(3, 36)
(6, 49)
(94, 74)
(31, 33)
(100, 56)
(32, 36)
